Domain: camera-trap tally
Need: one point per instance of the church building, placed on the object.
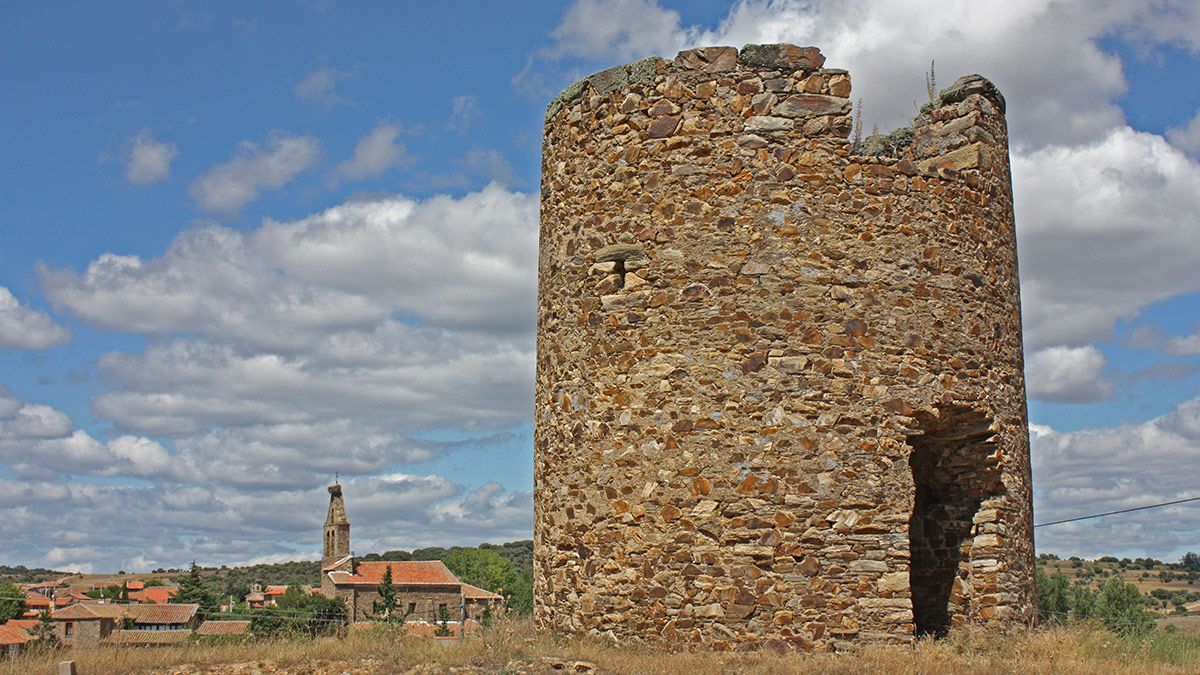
(425, 589)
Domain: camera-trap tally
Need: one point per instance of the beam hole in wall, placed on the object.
(952, 476)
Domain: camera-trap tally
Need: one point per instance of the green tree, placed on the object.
(1190, 562)
(44, 631)
(195, 589)
(12, 601)
(1054, 605)
(443, 629)
(316, 615)
(329, 614)
(487, 569)
(293, 598)
(1083, 602)
(1122, 608)
(271, 621)
(385, 608)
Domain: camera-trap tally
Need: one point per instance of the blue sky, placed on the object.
(246, 245)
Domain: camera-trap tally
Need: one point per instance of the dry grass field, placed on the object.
(515, 647)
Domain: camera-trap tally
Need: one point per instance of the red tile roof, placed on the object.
(135, 585)
(475, 593)
(409, 573)
(141, 614)
(146, 637)
(224, 628)
(13, 635)
(87, 611)
(39, 601)
(161, 614)
(26, 624)
(156, 594)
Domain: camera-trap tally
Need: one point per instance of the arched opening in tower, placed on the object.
(953, 472)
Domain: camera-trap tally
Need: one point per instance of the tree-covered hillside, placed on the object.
(25, 575)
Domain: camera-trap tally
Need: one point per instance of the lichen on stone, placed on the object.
(640, 72)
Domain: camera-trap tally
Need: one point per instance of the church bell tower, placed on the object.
(337, 528)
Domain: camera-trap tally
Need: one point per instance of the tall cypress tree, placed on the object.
(384, 609)
(193, 588)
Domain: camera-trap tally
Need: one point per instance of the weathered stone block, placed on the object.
(709, 59)
(802, 105)
(782, 57)
(766, 123)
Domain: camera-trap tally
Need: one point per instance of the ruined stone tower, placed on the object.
(780, 391)
(337, 528)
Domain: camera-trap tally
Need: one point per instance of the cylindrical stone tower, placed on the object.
(780, 391)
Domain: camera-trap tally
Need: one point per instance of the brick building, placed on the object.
(424, 588)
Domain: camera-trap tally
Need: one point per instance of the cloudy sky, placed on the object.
(243, 248)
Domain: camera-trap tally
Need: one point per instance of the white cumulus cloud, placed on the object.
(1187, 137)
(1104, 228)
(1068, 374)
(374, 154)
(149, 159)
(230, 186)
(25, 328)
(1183, 345)
(1103, 469)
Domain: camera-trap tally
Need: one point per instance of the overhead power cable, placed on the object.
(1113, 513)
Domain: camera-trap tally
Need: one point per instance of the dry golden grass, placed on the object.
(516, 646)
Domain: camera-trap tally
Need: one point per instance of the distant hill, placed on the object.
(25, 575)
(1171, 590)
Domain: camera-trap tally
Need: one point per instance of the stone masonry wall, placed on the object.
(426, 600)
(773, 374)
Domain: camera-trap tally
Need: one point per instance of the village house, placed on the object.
(157, 595)
(14, 635)
(268, 597)
(90, 624)
(36, 603)
(425, 590)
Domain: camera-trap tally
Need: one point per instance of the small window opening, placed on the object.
(952, 477)
(619, 270)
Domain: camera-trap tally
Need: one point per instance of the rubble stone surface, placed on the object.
(780, 394)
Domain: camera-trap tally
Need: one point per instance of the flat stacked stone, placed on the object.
(780, 390)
